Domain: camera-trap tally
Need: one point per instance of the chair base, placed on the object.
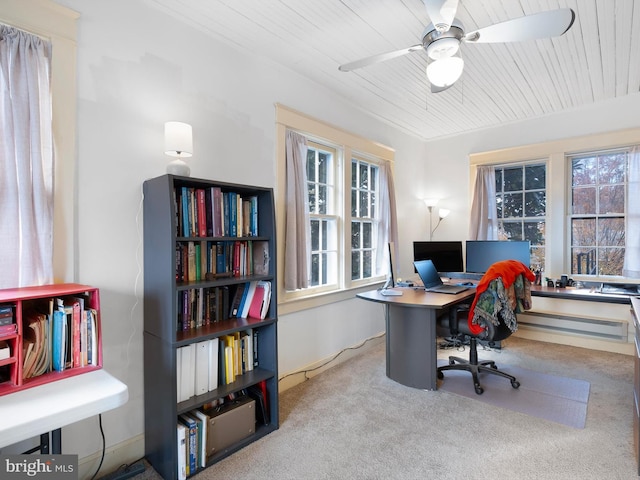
(475, 367)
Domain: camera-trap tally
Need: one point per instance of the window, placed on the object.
(351, 211)
(323, 213)
(327, 219)
(521, 201)
(597, 215)
(364, 188)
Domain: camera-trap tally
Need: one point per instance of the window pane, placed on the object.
(315, 235)
(366, 235)
(512, 205)
(583, 261)
(535, 204)
(534, 232)
(538, 255)
(325, 235)
(513, 230)
(355, 234)
(364, 204)
(583, 201)
(610, 261)
(498, 173)
(355, 265)
(311, 165)
(354, 174)
(372, 207)
(611, 199)
(322, 199)
(315, 269)
(583, 231)
(584, 171)
(612, 168)
(366, 264)
(323, 160)
(535, 177)
(499, 203)
(611, 232)
(512, 179)
(311, 189)
(354, 203)
(364, 175)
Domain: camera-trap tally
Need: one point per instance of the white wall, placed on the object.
(137, 69)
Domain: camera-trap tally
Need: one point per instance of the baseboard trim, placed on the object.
(115, 456)
(289, 380)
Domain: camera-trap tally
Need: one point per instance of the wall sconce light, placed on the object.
(178, 142)
(442, 213)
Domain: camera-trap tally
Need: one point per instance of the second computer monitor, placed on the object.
(481, 254)
(446, 256)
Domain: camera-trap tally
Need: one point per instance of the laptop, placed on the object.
(432, 281)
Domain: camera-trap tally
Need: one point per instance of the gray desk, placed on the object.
(410, 322)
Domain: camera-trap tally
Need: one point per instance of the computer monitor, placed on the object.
(481, 254)
(446, 256)
(391, 279)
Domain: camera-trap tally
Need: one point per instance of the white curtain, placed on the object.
(297, 244)
(483, 224)
(387, 219)
(26, 160)
(631, 266)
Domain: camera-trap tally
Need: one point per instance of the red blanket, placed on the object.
(508, 270)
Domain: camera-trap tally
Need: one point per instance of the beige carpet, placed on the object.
(352, 422)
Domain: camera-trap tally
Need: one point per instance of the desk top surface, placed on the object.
(30, 412)
(418, 297)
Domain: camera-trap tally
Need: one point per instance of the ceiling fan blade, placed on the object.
(441, 13)
(382, 57)
(436, 89)
(530, 27)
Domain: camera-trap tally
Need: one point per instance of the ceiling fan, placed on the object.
(442, 37)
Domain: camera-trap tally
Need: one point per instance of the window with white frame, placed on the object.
(597, 212)
(364, 190)
(521, 201)
(333, 206)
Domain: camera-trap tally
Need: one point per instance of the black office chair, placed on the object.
(495, 329)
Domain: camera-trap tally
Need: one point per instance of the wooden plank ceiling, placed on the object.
(598, 59)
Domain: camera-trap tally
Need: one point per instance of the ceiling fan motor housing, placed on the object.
(442, 44)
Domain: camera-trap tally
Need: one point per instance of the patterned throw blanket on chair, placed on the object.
(504, 289)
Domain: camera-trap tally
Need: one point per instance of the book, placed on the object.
(202, 367)
(191, 437)
(261, 300)
(58, 342)
(260, 257)
(247, 299)
(203, 423)
(237, 299)
(213, 346)
(182, 451)
(6, 330)
(5, 351)
(187, 376)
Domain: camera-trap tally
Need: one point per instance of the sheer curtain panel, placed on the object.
(26, 160)
(297, 227)
(388, 223)
(483, 224)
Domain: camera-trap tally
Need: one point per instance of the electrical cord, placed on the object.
(331, 359)
(104, 446)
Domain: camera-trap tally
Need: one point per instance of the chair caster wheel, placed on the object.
(440, 375)
(515, 384)
(479, 389)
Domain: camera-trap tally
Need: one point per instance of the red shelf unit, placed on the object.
(21, 299)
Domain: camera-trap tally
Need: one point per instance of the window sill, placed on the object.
(313, 301)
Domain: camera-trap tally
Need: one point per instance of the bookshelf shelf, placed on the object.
(195, 262)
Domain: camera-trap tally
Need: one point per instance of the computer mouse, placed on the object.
(467, 284)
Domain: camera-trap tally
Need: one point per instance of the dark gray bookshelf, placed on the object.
(163, 337)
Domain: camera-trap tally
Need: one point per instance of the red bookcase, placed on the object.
(33, 341)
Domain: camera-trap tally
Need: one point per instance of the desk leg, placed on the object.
(411, 346)
(56, 441)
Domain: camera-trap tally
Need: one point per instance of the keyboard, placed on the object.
(390, 293)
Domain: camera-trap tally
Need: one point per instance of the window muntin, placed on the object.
(521, 201)
(597, 212)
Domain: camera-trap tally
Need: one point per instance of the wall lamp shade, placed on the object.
(445, 71)
(178, 142)
(443, 212)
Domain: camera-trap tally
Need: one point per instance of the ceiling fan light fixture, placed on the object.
(445, 71)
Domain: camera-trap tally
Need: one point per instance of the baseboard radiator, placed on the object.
(604, 329)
